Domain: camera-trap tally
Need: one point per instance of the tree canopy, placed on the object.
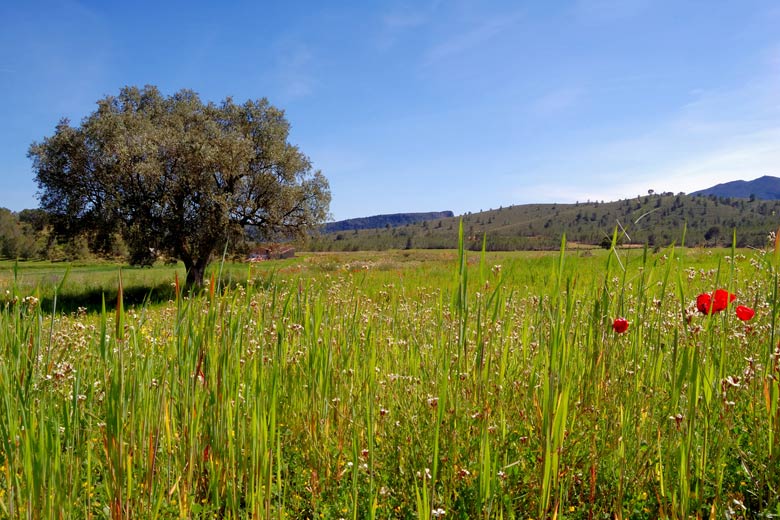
(175, 175)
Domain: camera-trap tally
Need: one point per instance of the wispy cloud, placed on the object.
(601, 11)
(746, 157)
(772, 58)
(719, 136)
(294, 70)
(556, 100)
(699, 153)
(400, 20)
(474, 36)
(396, 24)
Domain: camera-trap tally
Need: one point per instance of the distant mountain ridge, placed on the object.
(764, 188)
(380, 221)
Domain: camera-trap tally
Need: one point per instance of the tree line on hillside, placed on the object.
(29, 235)
(25, 235)
(657, 220)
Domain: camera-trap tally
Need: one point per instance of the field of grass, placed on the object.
(406, 384)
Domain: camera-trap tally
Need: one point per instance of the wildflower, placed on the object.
(463, 473)
(718, 301)
(721, 300)
(745, 313)
(703, 302)
(620, 325)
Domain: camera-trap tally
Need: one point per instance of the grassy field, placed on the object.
(406, 384)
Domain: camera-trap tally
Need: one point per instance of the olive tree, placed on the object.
(179, 176)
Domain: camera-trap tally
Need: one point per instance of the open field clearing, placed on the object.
(407, 384)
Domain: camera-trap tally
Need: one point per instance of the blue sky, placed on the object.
(429, 105)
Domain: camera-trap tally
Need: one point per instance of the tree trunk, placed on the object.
(195, 272)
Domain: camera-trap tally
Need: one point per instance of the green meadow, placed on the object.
(402, 384)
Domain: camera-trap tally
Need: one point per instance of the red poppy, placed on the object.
(745, 313)
(721, 300)
(620, 325)
(703, 302)
(718, 301)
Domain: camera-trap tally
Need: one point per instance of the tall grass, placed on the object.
(483, 386)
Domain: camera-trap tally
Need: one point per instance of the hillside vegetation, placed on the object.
(655, 220)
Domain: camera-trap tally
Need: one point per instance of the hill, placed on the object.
(381, 221)
(765, 188)
(656, 220)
